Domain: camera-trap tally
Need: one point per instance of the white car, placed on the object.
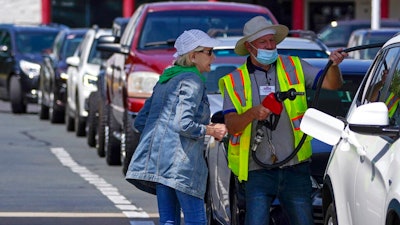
(83, 69)
(361, 181)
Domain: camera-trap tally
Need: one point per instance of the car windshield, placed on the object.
(335, 36)
(162, 28)
(70, 45)
(97, 57)
(34, 42)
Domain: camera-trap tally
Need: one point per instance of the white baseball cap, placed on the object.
(191, 39)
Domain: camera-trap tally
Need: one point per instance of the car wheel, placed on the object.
(101, 130)
(80, 123)
(129, 142)
(330, 216)
(236, 204)
(16, 96)
(56, 115)
(44, 110)
(91, 123)
(209, 211)
(113, 145)
(278, 216)
(69, 120)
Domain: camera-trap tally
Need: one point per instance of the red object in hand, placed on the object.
(270, 102)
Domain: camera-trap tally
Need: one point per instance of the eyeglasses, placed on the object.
(208, 52)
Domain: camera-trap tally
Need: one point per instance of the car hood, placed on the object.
(34, 58)
(153, 60)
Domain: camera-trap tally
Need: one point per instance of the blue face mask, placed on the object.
(265, 56)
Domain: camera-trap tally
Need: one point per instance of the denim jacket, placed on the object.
(172, 123)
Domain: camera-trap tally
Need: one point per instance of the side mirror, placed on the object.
(322, 126)
(104, 39)
(371, 119)
(73, 61)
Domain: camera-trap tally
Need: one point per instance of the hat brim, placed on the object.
(281, 31)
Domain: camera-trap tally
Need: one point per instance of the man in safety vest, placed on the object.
(244, 91)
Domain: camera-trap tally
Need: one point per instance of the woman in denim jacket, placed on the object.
(169, 159)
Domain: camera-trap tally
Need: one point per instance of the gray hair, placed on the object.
(184, 60)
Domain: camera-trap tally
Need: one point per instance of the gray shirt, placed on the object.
(282, 137)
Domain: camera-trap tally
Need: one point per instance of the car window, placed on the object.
(6, 40)
(34, 42)
(380, 75)
(70, 46)
(161, 28)
(336, 102)
(383, 85)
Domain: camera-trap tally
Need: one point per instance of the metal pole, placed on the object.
(375, 14)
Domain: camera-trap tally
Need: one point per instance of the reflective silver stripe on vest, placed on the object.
(238, 86)
(290, 69)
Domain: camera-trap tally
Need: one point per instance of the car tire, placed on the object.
(16, 96)
(101, 130)
(113, 144)
(129, 141)
(69, 120)
(92, 120)
(237, 206)
(43, 111)
(330, 215)
(56, 115)
(278, 216)
(80, 122)
(209, 211)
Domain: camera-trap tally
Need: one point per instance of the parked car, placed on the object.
(225, 202)
(21, 49)
(146, 49)
(337, 33)
(83, 69)
(53, 75)
(361, 182)
(305, 46)
(369, 36)
(97, 115)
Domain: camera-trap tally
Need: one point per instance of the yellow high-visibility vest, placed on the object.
(392, 103)
(238, 86)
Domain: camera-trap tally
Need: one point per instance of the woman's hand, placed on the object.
(217, 130)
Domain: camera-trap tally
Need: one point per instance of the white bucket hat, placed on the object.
(258, 27)
(191, 39)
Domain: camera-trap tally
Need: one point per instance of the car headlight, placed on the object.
(89, 80)
(29, 68)
(64, 76)
(141, 84)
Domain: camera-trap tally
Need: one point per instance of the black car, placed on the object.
(225, 194)
(21, 49)
(53, 76)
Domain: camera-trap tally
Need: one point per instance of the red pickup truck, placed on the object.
(146, 48)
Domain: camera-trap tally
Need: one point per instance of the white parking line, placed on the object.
(108, 190)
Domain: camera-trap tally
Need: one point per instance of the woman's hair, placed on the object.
(184, 60)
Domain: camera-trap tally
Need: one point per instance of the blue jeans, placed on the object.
(291, 185)
(170, 202)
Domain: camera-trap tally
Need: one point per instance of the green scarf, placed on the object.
(176, 70)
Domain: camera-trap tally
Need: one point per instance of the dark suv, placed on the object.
(146, 49)
(21, 49)
(53, 75)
